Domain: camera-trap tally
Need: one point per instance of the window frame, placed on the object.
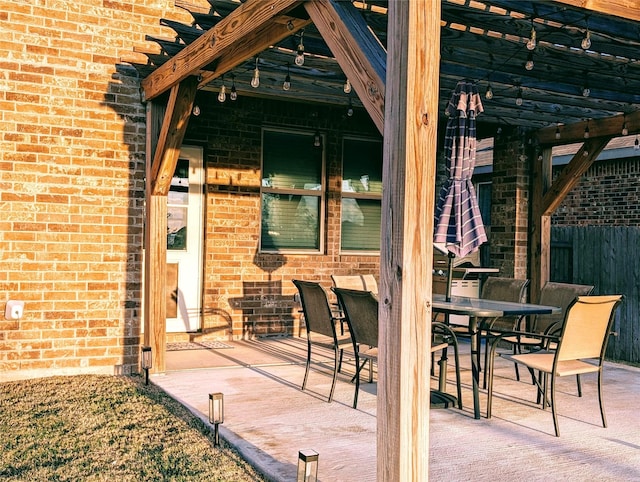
(321, 194)
(357, 195)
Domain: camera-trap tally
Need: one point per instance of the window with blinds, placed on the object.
(361, 200)
(292, 192)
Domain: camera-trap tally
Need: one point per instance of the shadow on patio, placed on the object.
(269, 419)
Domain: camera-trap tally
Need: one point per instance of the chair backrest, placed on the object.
(316, 308)
(505, 289)
(365, 282)
(361, 311)
(586, 328)
(557, 294)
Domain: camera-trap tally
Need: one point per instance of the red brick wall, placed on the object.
(247, 293)
(72, 139)
(607, 194)
(510, 205)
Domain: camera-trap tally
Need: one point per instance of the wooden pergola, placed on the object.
(400, 89)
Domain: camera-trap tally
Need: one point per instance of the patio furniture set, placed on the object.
(565, 334)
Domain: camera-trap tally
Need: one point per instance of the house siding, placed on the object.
(72, 153)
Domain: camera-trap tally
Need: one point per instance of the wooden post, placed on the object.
(406, 257)
(540, 241)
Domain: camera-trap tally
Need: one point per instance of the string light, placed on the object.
(529, 64)
(350, 108)
(557, 132)
(531, 43)
(347, 87)
(234, 93)
(489, 93)
(255, 80)
(586, 41)
(300, 52)
(286, 85)
(625, 129)
(196, 110)
(586, 91)
(519, 97)
(586, 131)
(222, 95)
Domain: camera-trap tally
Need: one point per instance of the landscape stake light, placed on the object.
(216, 414)
(146, 363)
(307, 466)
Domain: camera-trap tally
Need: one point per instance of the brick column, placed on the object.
(510, 203)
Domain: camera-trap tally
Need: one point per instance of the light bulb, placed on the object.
(531, 43)
(586, 132)
(625, 130)
(586, 91)
(350, 109)
(529, 64)
(557, 132)
(347, 87)
(519, 97)
(234, 93)
(196, 110)
(222, 96)
(300, 56)
(286, 85)
(316, 140)
(489, 93)
(255, 80)
(586, 41)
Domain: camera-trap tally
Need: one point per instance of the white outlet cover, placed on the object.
(14, 310)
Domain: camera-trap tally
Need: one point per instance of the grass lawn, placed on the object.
(107, 428)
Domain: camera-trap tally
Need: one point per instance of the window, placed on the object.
(292, 192)
(361, 195)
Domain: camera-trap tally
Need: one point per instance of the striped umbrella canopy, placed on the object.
(458, 224)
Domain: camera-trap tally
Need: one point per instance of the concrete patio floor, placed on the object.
(269, 419)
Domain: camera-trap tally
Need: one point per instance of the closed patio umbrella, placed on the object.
(458, 224)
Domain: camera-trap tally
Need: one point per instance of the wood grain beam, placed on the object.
(357, 51)
(253, 44)
(570, 175)
(248, 17)
(540, 226)
(609, 127)
(627, 9)
(406, 247)
(172, 133)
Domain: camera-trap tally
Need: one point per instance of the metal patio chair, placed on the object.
(321, 327)
(581, 346)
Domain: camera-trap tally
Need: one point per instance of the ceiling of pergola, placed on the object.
(485, 41)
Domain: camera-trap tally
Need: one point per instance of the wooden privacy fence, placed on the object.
(607, 257)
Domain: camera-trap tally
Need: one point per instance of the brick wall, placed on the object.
(247, 293)
(72, 139)
(510, 204)
(607, 194)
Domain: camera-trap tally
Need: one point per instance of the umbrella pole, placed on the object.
(449, 274)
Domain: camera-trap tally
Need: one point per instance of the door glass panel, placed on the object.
(178, 205)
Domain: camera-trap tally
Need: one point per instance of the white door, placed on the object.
(184, 243)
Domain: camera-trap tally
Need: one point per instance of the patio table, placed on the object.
(475, 309)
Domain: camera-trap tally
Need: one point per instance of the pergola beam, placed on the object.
(606, 127)
(248, 18)
(629, 9)
(358, 52)
(172, 131)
